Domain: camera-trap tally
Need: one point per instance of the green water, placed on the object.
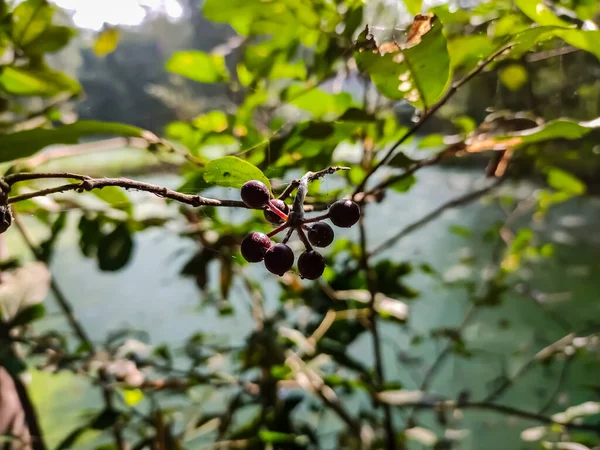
(149, 295)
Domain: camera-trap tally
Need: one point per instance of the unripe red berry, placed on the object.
(279, 259)
(255, 194)
(281, 206)
(311, 265)
(344, 213)
(320, 234)
(254, 246)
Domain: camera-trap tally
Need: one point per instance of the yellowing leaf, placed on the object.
(132, 396)
(107, 41)
(513, 76)
(199, 66)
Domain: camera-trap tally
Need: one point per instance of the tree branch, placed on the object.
(447, 96)
(390, 435)
(508, 410)
(459, 201)
(310, 176)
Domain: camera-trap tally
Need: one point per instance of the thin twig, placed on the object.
(416, 127)
(87, 184)
(390, 435)
(503, 410)
(459, 201)
(84, 339)
(559, 385)
(310, 176)
(61, 299)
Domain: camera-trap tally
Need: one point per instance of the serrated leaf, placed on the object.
(107, 41)
(231, 171)
(198, 66)
(25, 143)
(419, 73)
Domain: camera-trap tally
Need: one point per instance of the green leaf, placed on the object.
(404, 184)
(198, 66)
(420, 74)
(115, 197)
(586, 40)
(466, 51)
(115, 249)
(25, 143)
(275, 437)
(28, 315)
(107, 41)
(414, 6)
(513, 76)
(537, 11)
(51, 40)
(43, 82)
(231, 171)
(565, 182)
(319, 103)
(461, 231)
(30, 19)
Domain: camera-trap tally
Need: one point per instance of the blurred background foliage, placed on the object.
(462, 313)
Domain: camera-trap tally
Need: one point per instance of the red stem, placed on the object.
(278, 229)
(277, 211)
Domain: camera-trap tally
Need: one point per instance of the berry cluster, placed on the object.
(278, 257)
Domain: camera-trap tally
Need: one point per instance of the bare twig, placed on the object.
(508, 410)
(87, 184)
(459, 201)
(61, 299)
(559, 385)
(310, 176)
(390, 434)
(447, 96)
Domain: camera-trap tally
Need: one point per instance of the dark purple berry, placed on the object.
(279, 259)
(281, 206)
(344, 213)
(254, 246)
(320, 234)
(255, 194)
(311, 265)
(5, 218)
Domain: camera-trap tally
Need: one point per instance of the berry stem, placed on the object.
(288, 236)
(277, 211)
(317, 219)
(278, 230)
(298, 206)
(304, 239)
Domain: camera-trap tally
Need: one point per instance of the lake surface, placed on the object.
(150, 295)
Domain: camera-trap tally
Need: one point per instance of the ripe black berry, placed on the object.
(320, 234)
(281, 206)
(311, 265)
(279, 259)
(5, 218)
(254, 246)
(255, 194)
(344, 213)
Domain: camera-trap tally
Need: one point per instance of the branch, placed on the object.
(459, 201)
(447, 96)
(390, 435)
(594, 428)
(88, 183)
(310, 176)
